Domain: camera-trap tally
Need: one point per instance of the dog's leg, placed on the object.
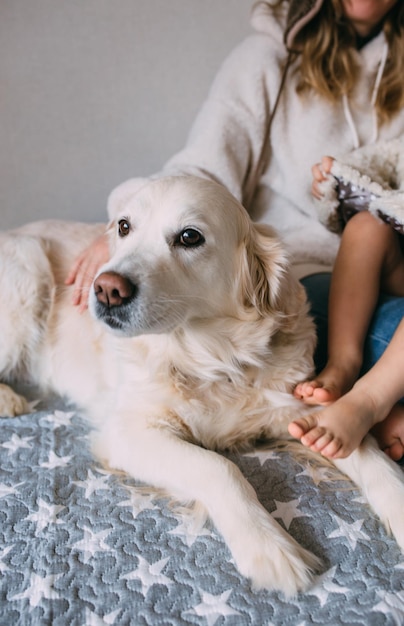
(11, 403)
(262, 550)
(382, 483)
(26, 285)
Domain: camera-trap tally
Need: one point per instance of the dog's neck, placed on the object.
(222, 349)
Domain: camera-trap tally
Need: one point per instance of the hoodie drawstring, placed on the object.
(376, 86)
(351, 123)
(347, 110)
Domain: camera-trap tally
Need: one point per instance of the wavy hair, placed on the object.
(327, 61)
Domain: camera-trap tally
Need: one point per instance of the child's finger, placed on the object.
(317, 172)
(326, 164)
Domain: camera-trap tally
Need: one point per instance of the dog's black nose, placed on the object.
(113, 289)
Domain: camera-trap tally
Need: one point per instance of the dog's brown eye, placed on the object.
(191, 237)
(123, 228)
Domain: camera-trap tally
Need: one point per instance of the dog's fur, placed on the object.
(210, 333)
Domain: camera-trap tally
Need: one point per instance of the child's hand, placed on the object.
(320, 172)
(85, 269)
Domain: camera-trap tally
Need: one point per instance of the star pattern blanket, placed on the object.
(81, 546)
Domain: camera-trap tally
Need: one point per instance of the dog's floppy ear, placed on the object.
(122, 194)
(266, 282)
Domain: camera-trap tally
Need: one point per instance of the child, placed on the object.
(370, 259)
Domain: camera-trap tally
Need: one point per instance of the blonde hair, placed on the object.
(327, 60)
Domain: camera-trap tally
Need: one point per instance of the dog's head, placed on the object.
(184, 249)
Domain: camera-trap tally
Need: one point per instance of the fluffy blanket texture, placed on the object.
(370, 178)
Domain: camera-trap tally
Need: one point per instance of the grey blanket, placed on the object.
(81, 546)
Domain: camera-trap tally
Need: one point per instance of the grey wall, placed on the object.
(95, 91)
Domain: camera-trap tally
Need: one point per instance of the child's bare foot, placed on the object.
(390, 433)
(330, 384)
(338, 430)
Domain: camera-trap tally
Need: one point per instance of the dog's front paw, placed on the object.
(11, 403)
(273, 560)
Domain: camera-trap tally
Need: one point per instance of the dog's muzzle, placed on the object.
(114, 293)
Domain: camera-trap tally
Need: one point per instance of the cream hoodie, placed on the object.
(226, 138)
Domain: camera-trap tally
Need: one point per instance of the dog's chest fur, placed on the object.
(209, 397)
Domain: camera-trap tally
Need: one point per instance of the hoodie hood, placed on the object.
(289, 18)
(295, 16)
(300, 13)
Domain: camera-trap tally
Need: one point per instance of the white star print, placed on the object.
(325, 585)
(93, 483)
(287, 511)
(317, 474)
(138, 502)
(392, 604)
(351, 532)
(59, 418)
(3, 553)
(55, 461)
(149, 574)
(212, 607)
(92, 543)
(5, 490)
(40, 588)
(263, 455)
(92, 619)
(189, 532)
(45, 515)
(359, 500)
(15, 443)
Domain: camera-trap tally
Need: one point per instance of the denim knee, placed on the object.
(317, 288)
(387, 316)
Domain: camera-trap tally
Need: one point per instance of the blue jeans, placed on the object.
(387, 316)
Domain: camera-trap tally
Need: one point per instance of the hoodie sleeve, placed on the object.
(227, 137)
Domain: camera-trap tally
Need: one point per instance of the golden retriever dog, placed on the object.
(195, 337)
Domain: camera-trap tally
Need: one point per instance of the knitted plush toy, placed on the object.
(370, 178)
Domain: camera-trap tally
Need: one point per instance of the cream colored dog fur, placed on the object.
(196, 335)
